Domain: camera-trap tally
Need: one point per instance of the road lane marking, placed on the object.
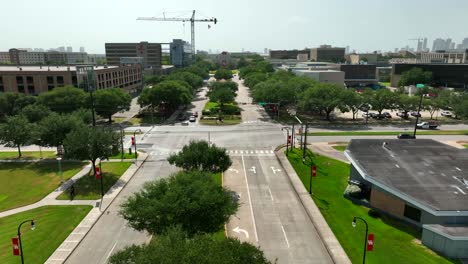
(250, 200)
(239, 230)
(234, 170)
(112, 249)
(285, 237)
(271, 196)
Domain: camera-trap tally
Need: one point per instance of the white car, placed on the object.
(446, 113)
(192, 119)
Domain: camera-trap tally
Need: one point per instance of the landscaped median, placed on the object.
(26, 183)
(89, 188)
(389, 133)
(53, 224)
(395, 242)
(230, 113)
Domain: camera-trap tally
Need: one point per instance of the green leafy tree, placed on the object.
(13, 103)
(199, 155)
(242, 63)
(351, 101)
(223, 74)
(111, 101)
(193, 80)
(255, 78)
(384, 99)
(227, 84)
(323, 98)
(192, 200)
(415, 76)
(16, 132)
(91, 143)
(459, 104)
(273, 91)
(407, 103)
(175, 247)
(168, 93)
(154, 79)
(54, 128)
(222, 95)
(35, 112)
(64, 99)
(200, 71)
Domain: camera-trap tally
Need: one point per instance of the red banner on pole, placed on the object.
(289, 139)
(98, 173)
(133, 141)
(370, 242)
(16, 250)
(314, 171)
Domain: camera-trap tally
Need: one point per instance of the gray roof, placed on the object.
(423, 171)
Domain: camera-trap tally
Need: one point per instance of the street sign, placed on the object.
(98, 173)
(419, 85)
(16, 250)
(370, 242)
(262, 103)
(314, 171)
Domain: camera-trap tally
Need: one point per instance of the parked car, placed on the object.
(386, 115)
(369, 114)
(403, 114)
(415, 114)
(406, 136)
(185, 123)
(427, 125)
(192, 119)
(446, 113)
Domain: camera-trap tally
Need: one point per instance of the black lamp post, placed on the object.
(311, 164)
(33, 226)
(287, 139)
(134, 137)
(419, 86)
(305, 142)
(365, 238)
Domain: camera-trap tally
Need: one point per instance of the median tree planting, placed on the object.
(223, 74)
(170, 94)
(199, 155)
(111, 101)
(192, 200)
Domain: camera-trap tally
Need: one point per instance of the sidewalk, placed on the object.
(78, 234)
(331, 243)
(326, 149)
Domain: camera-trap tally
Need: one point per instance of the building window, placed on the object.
(31, 89)
(412, 213)
(60, 81)
(29, 80)
(75, 81)
(19, 79)
(50, 80)
(2, 89)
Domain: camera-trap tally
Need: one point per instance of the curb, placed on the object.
(101, 211)
(332, 245)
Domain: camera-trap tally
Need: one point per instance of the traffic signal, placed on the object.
(133, 141)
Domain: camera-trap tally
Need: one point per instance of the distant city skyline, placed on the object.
(364, 25)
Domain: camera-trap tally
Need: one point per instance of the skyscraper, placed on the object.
(69, 49)
(425, 45)
(82, 49)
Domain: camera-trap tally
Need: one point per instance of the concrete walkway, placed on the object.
(331, 243)
(127, 115)
(326, 149)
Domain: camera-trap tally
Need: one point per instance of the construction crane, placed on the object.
(192, 22)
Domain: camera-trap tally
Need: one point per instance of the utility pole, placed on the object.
(305, 143)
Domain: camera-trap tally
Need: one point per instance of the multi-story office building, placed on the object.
(150, 52)
(327, 53)
(323, 75)
(359, 74)
(447, 75)
(287, 54)
(37, 79)
(181, 53)
(23, 57)
(445, 56)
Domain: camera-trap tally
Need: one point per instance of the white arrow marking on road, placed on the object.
(234, 170)
(253, 169)
(275, 170)
(238, 231)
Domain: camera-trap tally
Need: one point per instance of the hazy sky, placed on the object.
(364, 25)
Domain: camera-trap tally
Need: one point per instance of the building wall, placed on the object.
(150, 52)
(387, 202)
(450, 75)
(427, 218)
(180, 53)
(336, 77)
(445, 246)
(357, 58)
(327, 54)
(287, 54)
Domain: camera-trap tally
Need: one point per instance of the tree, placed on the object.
(407, 103)
(459, 104)
(13, 103)
(193, 80)
(227, 84)
(254, 78)
(16, 132)
(384, 99)
(64, 99)
(171, 94)
(199, 155)
(242, 63)
(351, 101)
(201, 71)
(415, 76)
(273, 91)
(223, 74)
(222, 95)
(111, 101)
(192, 200)
(175, 247)
(91, 143)
(35, 112)
(54, 128)
(154, 79)
(323, 97)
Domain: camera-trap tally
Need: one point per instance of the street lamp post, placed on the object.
(292, 138)
(287, 139)
(312, 174)
(305, 143)
(365, 238)
(134, 136)
(33, 226)
(59, 159)
(419, 86)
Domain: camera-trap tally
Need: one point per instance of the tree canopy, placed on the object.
(192, 200)
(64, 99)
(111, 101)
(222, 95)
(54, 128)
(170, 93)
(223, 74)
(199, 155)
(16, 132)
(193, 80)
(323, 97)
(13, 103)
(174, 247)
(415, 76)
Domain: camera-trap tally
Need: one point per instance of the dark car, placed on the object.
(415, 114)
(406, 136)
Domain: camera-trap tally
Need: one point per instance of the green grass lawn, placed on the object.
(340, 147)
(7, 155)
(88, 188)
(126, 156)
(53, 225)
(395, 242)
(466, 145)
(26, 183)
(389, 133)
(385, 84)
